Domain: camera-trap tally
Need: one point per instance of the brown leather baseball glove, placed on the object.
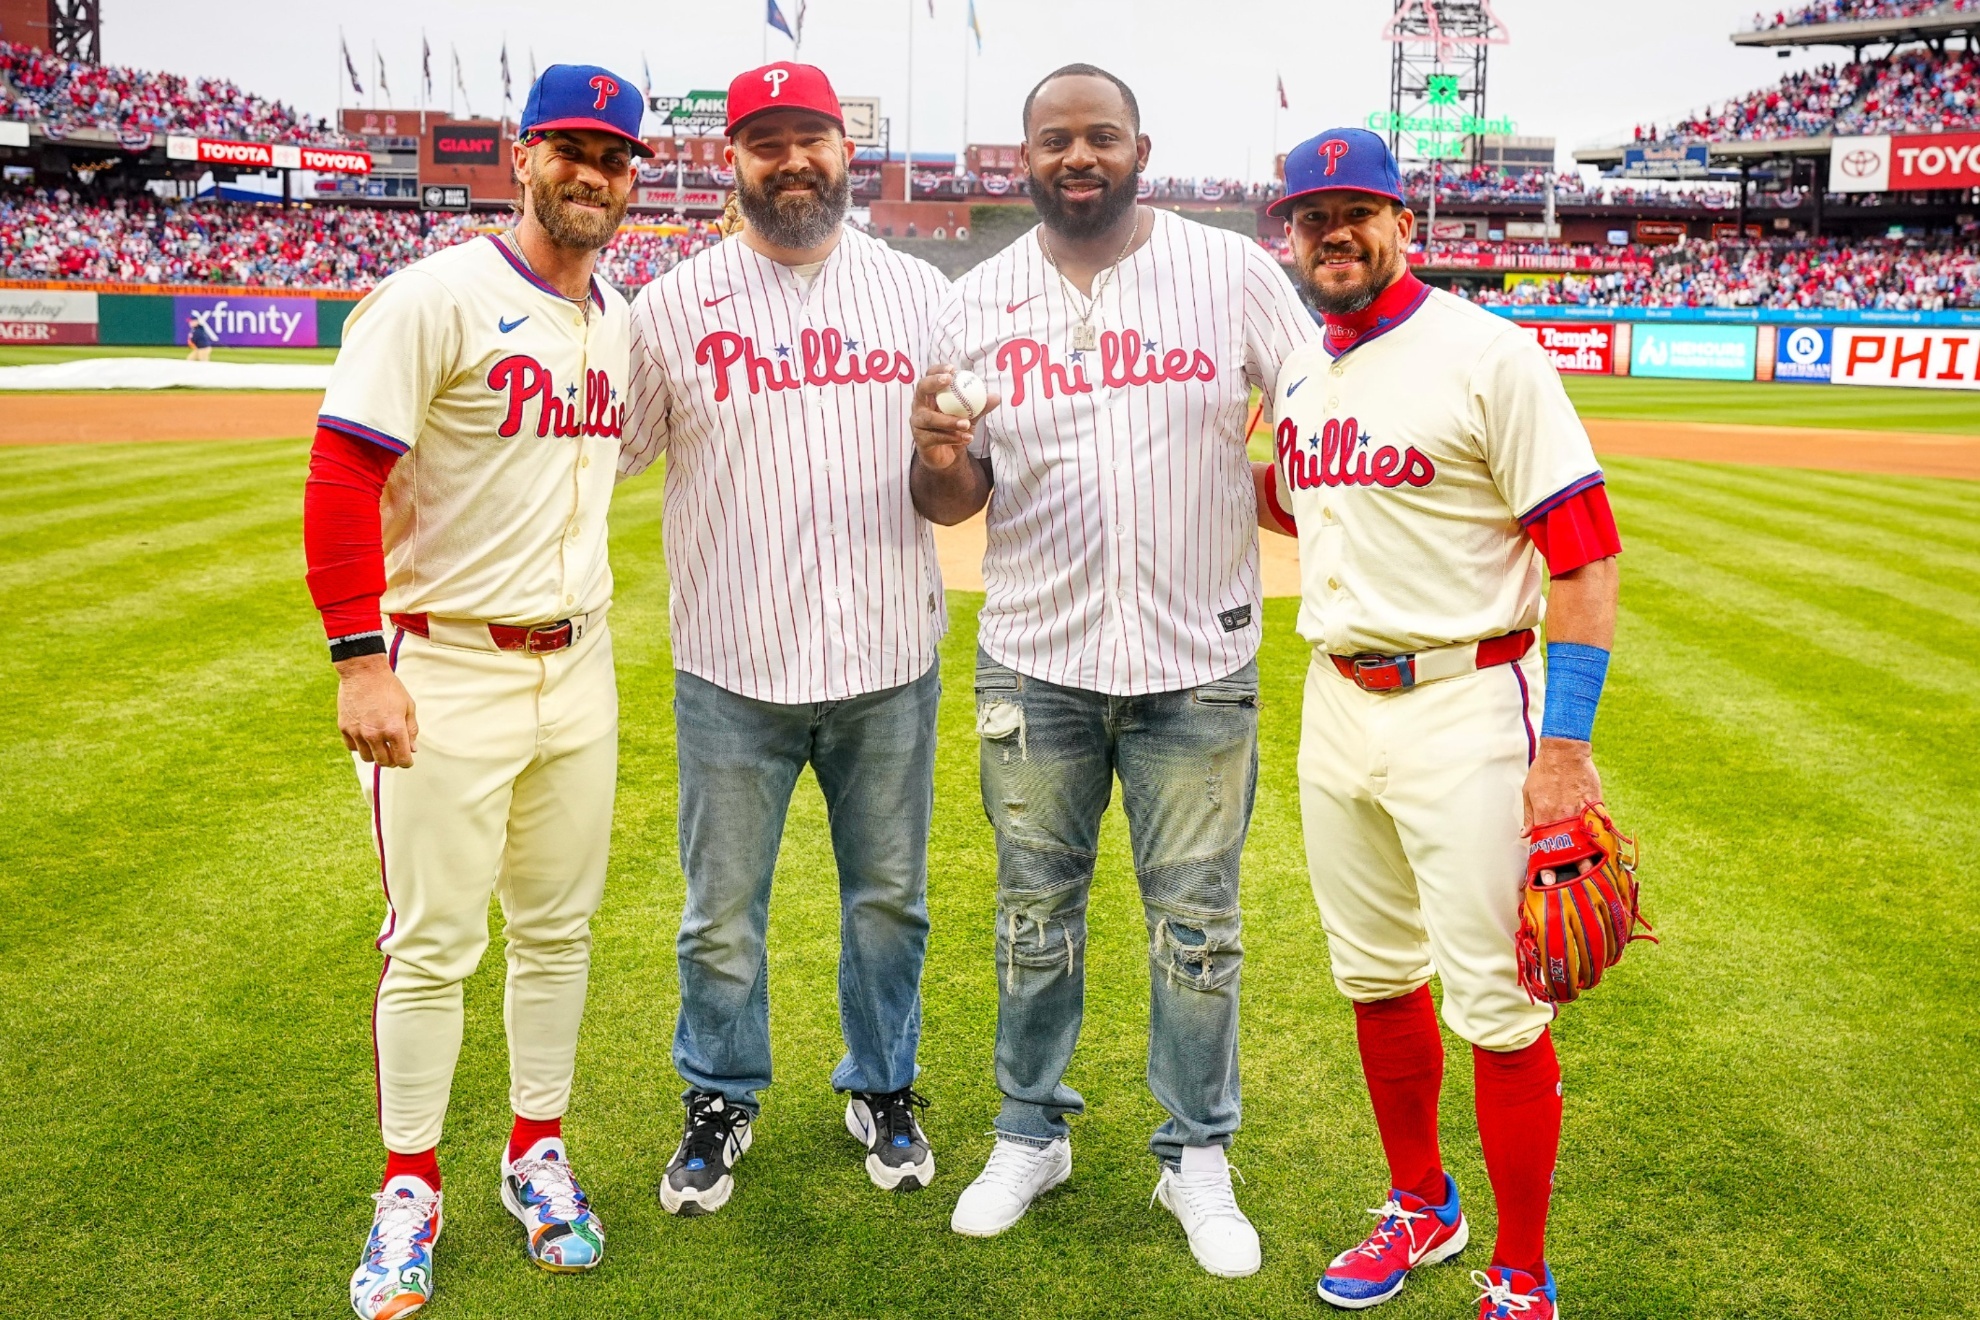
(1574, 923)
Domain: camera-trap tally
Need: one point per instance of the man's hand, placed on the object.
(939, 439)
(375, 712)
(1561, 781)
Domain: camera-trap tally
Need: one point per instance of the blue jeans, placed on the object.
(874, 756)
(1188, 766)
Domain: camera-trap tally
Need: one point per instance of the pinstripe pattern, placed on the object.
(800, 570)
(1124, 521)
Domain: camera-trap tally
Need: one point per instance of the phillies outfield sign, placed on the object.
(1904, 162)
(1937, 359)
(267, 155)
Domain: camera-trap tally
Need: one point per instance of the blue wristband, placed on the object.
(1575, 674)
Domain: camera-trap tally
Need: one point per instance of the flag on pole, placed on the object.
(1282, 93)
(508, 92)
(931, 8)
(532, 66)
(975, 28)
(798, 40)
(646, 74)
(460, 83)
(775, 18)
(425, 69)
(384, 87)
(349, 66)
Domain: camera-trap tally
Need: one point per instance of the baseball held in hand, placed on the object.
(965, 396)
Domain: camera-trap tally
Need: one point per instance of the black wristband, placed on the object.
(350, 648)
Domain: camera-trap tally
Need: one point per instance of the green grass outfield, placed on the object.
(1755, 403)
(1772, 1115)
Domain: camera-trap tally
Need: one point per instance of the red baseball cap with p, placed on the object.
(782, 86)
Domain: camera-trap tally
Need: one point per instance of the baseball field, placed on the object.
(1772, 1114)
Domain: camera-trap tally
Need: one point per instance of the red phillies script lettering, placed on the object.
(598, 413)
(1124, 360)
(822, 359)
(1342, 459)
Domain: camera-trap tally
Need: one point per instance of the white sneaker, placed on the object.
(1015, 1176)
(1200, 1196)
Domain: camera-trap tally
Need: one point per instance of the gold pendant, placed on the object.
(1085, 338)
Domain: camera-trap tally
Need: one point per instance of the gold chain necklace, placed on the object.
(1084, 337)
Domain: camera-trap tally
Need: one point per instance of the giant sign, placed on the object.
(1581, 350)
(39, 316)
(267, 155)
(1694, 352)
(1936, 359)
(467, 144)
(1904, 162)
(247, 321)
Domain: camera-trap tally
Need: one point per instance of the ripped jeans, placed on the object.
(1188, 766)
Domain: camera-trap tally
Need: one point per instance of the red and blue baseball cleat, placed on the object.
(1505, 1294)
(1409, 1232)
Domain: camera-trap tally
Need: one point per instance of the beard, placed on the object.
(565, 224)
(1084, 219)
(794, 219)
(1373, 273)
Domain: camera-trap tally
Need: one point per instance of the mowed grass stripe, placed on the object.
(62, 474)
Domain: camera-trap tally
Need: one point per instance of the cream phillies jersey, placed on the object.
(1123, 533)
(506, 400)
(800, 570)
(1410, 462)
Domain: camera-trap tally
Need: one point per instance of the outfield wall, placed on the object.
(130, 314)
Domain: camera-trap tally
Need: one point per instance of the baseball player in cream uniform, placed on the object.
(464, 463)
(1436, 475)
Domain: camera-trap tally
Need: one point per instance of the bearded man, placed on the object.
(776, 372)
(461, 473)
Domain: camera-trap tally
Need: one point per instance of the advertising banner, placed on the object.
(1667, 160)
(657, 199)
(1582, 350)
(467, 144)
(1652, 232)
(34, 316)
(267, 155)
(1803, 353)
(1694, 352)
(1916, 359)
(247, 322)
(1904, 162)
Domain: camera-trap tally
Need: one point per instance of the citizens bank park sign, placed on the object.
(1904, 162)
(267, 155)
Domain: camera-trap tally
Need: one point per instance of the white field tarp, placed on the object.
(141, 373)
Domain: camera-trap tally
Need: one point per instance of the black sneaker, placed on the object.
(698, 1180)
(897, 1154)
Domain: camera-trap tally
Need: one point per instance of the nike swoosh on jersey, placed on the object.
(710, 302)
(1014, 306)
(1295, 385)
(505, 326)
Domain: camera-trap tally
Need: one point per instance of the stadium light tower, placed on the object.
(1438, 74)
(76, 30)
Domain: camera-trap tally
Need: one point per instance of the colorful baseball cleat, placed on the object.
(1409, 1232)
(897, 1155)
(1515, 1295)
(395, 1277)
(538, 1189)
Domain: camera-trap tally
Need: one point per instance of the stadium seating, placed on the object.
(68, 94)
(1893, 275)
(58, 235)
(1916, 90)
(1853, 11)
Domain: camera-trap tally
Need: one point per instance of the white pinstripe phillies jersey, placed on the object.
(506, 400)
(1411, 463)
(799, 568)
(1123, 535)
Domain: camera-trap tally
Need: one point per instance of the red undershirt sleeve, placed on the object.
(342, 542)
(1579, 530)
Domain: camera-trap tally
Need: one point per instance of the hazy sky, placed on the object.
(1204, 69)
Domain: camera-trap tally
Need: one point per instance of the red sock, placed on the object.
(423, 1165)
(1519, 1124)
(1402, 1056)
(528, 1131)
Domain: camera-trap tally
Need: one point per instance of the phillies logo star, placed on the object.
(1333, 149)
(607, 88)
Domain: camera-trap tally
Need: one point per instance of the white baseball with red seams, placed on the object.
(965, 395)
(1122, 530)
(800, 570)
(505, 399)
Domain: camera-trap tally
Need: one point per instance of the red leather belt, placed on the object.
(1392, 673)
(541, 639)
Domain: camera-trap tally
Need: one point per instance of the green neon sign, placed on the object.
(1436, 136)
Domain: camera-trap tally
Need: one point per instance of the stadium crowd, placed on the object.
(1855, 11)
(68, 94)
(1918, 90)
(1890, 275)
(56, 235)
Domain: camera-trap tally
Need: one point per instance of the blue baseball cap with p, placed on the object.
(584, 96)
(1339, 159)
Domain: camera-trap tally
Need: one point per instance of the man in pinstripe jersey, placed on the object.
(1119, 627)
(776, 372)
